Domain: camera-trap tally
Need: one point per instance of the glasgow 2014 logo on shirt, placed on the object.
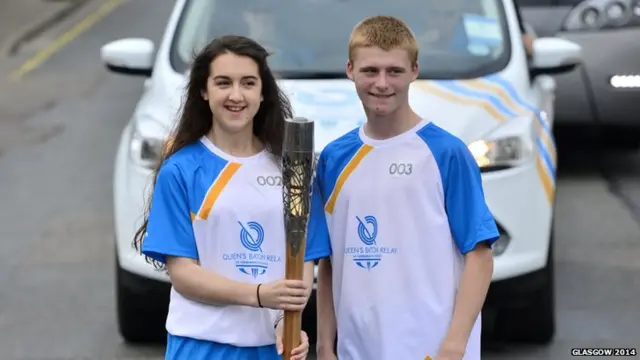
(371, 254)
(253, 262)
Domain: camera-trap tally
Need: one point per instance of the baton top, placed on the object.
(298, 135)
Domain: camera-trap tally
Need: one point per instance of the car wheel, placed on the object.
(137, 322)
(534, 323)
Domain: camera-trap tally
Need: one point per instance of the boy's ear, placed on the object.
(415, 71)
(350, 70)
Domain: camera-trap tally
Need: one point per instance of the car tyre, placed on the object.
(534, 323)
(136, 322)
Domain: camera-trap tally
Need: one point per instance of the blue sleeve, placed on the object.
(169, 230)
(470, 220)
(318, 243)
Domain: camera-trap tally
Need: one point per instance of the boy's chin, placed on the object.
(378, 110)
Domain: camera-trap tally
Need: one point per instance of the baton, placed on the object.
(297, 176)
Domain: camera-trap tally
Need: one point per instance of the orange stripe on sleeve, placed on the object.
(216, 189)
(344, 175)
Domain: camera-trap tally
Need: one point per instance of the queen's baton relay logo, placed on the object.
(371, 254)
(253, 262)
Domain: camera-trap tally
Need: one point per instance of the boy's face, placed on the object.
(382, 78)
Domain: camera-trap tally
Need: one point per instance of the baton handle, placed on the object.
(293, 319)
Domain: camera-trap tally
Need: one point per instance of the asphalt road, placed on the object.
(59, 128)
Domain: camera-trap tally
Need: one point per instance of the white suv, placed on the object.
(480, 87)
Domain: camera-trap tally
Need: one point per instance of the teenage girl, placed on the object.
(215, 223)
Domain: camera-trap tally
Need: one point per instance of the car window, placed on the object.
(457, 38)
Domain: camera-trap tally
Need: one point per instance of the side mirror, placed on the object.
(553, 55)
(133, 56)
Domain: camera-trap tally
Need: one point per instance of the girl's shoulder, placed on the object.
(188, 158)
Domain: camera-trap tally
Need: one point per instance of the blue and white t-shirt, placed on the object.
(400, 214)
(228, 214)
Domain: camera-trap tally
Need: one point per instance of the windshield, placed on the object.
(308, 38)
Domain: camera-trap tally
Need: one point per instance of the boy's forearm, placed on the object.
(476, 278)
(326, 324)
(308, 276)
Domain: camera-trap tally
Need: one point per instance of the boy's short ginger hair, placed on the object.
(385, 32)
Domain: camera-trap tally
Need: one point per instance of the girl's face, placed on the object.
(234, 92)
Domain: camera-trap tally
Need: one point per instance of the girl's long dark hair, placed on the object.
(196, 118)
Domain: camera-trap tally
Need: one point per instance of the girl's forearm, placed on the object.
(198, 284)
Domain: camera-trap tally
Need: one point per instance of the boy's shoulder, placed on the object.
(439, 139)
(342, 145)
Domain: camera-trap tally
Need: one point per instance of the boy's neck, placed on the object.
(391, 125)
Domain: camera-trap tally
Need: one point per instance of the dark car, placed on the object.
(604, 91)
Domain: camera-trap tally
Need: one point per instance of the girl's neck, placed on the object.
(391, 125)
(241, 144)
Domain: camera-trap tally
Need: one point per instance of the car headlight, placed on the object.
(603, 14)
(501, 153)
(147, 143)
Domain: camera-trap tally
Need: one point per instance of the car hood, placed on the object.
(468, 109)
(336, 108)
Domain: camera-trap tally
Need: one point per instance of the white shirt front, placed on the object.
(227, 213)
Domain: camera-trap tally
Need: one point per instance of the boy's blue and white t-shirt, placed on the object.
(227, 213)
(399, 215)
